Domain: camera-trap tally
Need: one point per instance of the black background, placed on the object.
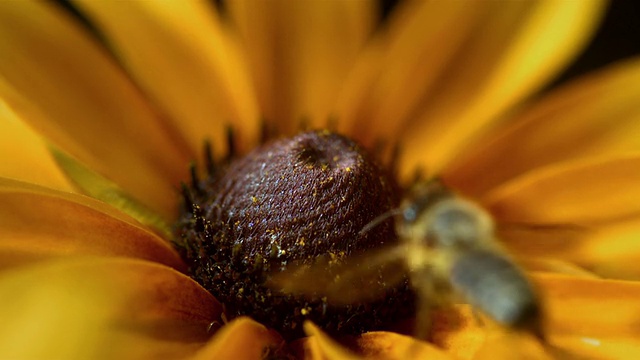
(617, 38)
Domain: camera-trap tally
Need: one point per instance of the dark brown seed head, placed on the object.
(292, 200)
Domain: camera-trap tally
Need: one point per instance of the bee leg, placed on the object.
(422, 329)
(477, 317)
(423, 284)
(424, 288)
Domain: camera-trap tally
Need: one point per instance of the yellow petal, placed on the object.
(579, 193)
(595, 116)
(613, 252)
(300, 53)
(592, 318)
(27, 158)
(513, 50)
(94, 308)
(66, 86)
(242, 339)
(38, 223)
(509, 345)
(180, 54)
(400, 67)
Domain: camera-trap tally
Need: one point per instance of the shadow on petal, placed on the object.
(29, 161)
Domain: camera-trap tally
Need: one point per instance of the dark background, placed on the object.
(617, 38)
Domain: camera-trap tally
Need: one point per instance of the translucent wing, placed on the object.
(364, 277)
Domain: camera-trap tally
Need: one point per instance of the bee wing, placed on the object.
(551, 233)
(355, 279)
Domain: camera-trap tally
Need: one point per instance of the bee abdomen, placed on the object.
(497, 287)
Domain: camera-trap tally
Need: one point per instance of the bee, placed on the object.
(447, 249)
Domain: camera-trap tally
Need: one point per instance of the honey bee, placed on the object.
(448, 250)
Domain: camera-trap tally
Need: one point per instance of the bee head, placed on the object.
(421, 198)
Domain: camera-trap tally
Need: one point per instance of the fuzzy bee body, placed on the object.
(467, 256)
(495, 286)
(447, 249)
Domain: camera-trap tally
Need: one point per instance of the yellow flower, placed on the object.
(451, 82)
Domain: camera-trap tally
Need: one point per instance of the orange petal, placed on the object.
(592, 318)
(83, 102)
(37, 223)
(510, 52)
(180, 55)
(574, 122)
(240, 339)
(93, 308)
(400, 66)
(581, 193)
(29, 159)
(300, 53)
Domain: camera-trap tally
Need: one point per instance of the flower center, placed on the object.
(290, 201)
